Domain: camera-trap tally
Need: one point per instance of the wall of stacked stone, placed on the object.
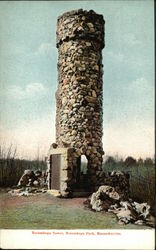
(80, 40)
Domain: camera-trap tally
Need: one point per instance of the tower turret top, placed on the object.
(80, 24)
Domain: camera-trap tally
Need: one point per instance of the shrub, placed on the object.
(148, 161)
(130, 161)
(110, 160)
(140, 161)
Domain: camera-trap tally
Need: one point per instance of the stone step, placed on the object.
(54, 192)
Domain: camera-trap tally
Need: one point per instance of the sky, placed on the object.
(28, 75)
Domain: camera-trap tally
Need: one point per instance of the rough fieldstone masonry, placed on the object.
(80, 40)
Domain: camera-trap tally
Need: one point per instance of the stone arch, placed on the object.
(82, 177)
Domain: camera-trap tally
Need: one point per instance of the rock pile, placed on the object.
(115, 197)
(32, 178)
(120, 181)
(80, 40)
(31, 183)
(26, 191)
(131, 211)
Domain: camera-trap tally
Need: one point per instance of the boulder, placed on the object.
(38, 173)
(142, 209)
(36, 183)
(28, 172)
(105, 194)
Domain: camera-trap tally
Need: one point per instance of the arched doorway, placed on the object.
(82, 180)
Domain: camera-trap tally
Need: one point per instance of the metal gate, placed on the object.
(55, 165)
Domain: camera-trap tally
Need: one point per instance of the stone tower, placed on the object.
(80, 40)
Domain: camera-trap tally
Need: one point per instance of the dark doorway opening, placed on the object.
(82, 180)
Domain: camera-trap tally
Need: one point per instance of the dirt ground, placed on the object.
(43, 211)
(9, 201)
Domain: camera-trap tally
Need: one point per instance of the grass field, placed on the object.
(44, 211)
